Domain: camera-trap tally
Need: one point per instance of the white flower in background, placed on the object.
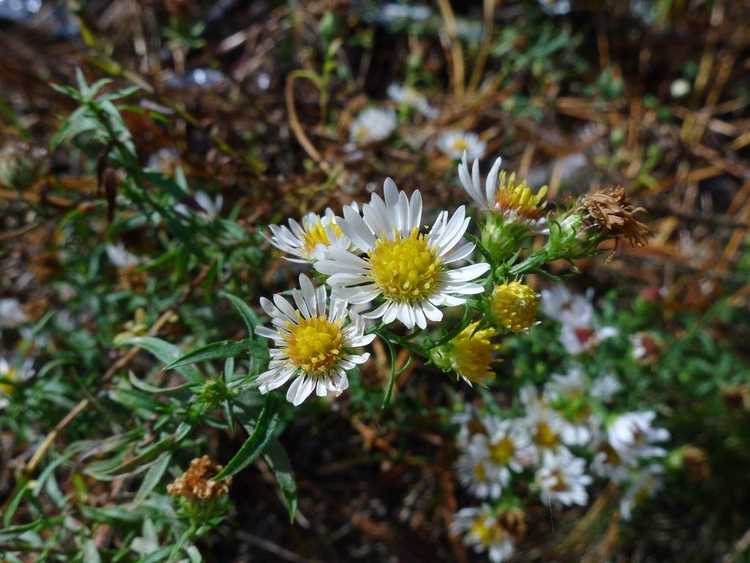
(646, 482)
(562, 479)
(209, 208)
(372, 125)
(633, 436)
(508, 446)
(609, 465)
(471, 424)
(543, 423)
(568, 395)
(566, 307)
(514, 200)
(12, 373)
(11, 313)
(412, 272)
(456, 143)
(476, 472)
(412, 98)
(605, 387)
(578, 332)
(314, 342)
(311, 240)
(484, 532)
(120, 257)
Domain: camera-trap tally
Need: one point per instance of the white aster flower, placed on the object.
(372, 125)
(311, 240)
(577, 339)
(508, 446)
(633, 436)
(471, 424)
(476, 472)
(545, 426)
(412, 272)
(568, 395)
(502, 194)
(11, 373)
(609, 465)
(566, 307)
(562, 479)
(11, 313)
(411, 97)
(120, 257)
(646, 482)
(484, 532)
(457, 143)
(314, 342)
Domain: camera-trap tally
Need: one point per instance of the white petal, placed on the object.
(300, 390)
(391, 192)
(466, 273)
(357, 230)
(490, 185)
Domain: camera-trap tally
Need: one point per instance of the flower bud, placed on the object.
(514, 305)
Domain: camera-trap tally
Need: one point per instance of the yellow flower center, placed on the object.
(560, 483)
(9, 376)
(545, 436)
(318, 234)
(486, 534)
(480, 472)
(472, 353)
(502, 450)
(405, 269)
(315, 345)
(514, 305)
(519, 198)
(459, 144)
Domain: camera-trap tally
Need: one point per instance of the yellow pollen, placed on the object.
(472, 353)
(459, 144)
(502, 451)
(318, 234)
(514, 305)
(405, 269)
(315, 345)
(545, 436)
(519, 198)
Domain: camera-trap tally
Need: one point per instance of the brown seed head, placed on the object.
(197, 483)
(611, 213)
(513, 520)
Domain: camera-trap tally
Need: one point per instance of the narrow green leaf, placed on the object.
(248, 315)
(213, 351)
(148, 388)
(391, 376)
(278, 459)
(152, 477)
(256, 444)
(165, 352)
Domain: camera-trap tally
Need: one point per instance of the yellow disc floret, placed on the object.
(472, 352)
(315, 345)
(545, 436)
(7, 377)
(405, 269)
(502, 450)
(514, 305)
(487, 531)
(518, 198)
(459, 144)
(318, 234)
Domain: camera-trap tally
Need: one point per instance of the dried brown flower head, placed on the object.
(696, 463)
(197, 483)
(513, 520)
(611, 213)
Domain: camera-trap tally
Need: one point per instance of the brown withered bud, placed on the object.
(197, 482)
(736, 396)
(611, 213)
(513, 520)
(696, 463)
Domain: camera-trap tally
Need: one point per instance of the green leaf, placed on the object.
(248, 315)
(213, 351)
(152, 477)
(278, 459)
(392, 376)
(258, 441)
(148, 388)
(166, 353)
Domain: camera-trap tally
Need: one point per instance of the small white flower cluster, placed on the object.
(579, 330)
(558, 443)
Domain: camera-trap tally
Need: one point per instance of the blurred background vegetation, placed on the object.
(250, 105)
